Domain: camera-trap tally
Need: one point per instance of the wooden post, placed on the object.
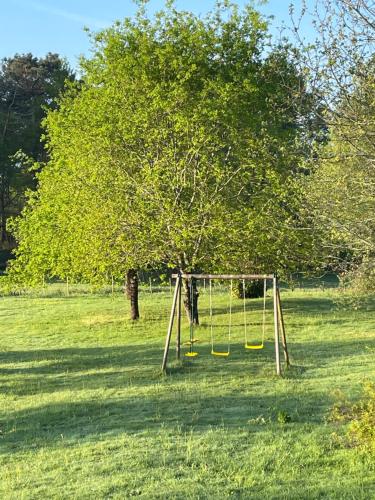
(276, 325)
(178, 339)
(67, 286)
(170, 326)
(282, 327)
(150, 281)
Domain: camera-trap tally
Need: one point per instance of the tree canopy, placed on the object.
(183, 144)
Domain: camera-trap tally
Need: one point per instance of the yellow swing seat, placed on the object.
(219, 353)
(191, 354)
(254, 346)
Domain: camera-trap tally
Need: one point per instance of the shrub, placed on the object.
(360, 417)
(253, 289)
(361, 278)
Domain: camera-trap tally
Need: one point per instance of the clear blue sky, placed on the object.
(41, 26)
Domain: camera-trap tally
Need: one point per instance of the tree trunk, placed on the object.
(191, 306)
(131, 288)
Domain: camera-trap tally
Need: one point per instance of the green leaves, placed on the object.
(179, 147)
(342, 190)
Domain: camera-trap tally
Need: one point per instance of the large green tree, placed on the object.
(183, 146)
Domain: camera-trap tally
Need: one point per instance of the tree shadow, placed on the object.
(310, 305)
(192, 410)
(51, 370)
(321, 305)
(24, 373)
(173, 400)
(291, 305)
(76, 357)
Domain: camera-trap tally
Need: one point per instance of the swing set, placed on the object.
(277, 317)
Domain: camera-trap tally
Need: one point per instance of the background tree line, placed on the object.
(341, 191)
(28, 88)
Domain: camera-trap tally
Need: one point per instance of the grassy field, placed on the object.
(85, 413)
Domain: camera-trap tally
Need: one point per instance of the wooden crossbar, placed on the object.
(226, 276)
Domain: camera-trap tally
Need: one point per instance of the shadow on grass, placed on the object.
(324, 305)
(181, 399)
(195, 411)
(50, 370)
(76, 358)
(310, 305)
(24, 373)
(167, 401)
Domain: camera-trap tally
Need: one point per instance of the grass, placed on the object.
(85, 413)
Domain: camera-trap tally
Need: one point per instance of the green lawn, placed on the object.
(85, 413)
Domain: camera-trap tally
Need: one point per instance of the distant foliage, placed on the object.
(341, 192)
(29, 86)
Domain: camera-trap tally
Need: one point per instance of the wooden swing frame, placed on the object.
(278, 320)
